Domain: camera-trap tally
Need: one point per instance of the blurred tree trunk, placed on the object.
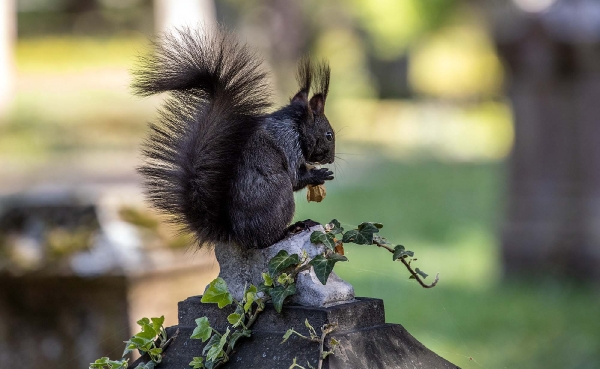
(288, 34)
(553, 60)
(180, 13)
(8, 33)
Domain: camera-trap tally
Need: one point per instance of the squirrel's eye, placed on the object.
(329, 136)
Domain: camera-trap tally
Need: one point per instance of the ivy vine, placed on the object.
(278, 284)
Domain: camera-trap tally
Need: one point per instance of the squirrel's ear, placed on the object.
(317, 104)
(300, 97)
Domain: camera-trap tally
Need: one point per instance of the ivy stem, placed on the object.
(325, 330)
(255, 315)
(410, 269)
(251, 321)
(299, 270)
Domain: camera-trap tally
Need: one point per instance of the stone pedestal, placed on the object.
(241, 267)
(366, 341)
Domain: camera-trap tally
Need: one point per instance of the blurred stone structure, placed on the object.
(8, 35)
(553, 68)
(75, 276)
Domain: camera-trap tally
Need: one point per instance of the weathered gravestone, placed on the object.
(553, 69)
(74, 275)
(366, 340)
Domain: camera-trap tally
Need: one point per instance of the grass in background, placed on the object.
(449, 214)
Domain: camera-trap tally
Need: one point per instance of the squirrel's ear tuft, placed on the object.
(321, 75)
(304, 78)
(317, 104)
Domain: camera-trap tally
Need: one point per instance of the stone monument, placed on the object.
(365, 339)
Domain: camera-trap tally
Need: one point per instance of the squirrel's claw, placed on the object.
(319, 176)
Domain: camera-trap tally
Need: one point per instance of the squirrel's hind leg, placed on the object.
(300, 226)
(260, 218)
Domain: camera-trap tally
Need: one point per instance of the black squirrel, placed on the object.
(216, 161)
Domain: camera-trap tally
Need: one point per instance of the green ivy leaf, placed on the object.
(334, 227)
(287, 335)
(249, 297)
(327, 239)
(361, 236)
(236, 335)
(143, 322)
(154, 354)
(129, 346)
(400, 252)
(197, 363)
(212, 364)
(218, 293)
(267, 278)
(139, 342)
(311, 329)
(235, 319)
(157, 323)
(216, 350)
(202, 330)
(279, 293)
(369, 227)
(155, 351)
(421, 273)
(147, 332)
(105, 362)
(281, 261)
(323, 266)
(285, 279)
(214, 340)
(265, 289)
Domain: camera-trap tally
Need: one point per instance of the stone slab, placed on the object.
(360, 313)
(366, 341)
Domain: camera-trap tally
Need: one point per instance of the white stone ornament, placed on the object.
(240, 268)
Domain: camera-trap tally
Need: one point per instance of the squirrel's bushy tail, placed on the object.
(217, 95)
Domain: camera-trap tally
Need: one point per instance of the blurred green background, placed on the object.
(424, 135)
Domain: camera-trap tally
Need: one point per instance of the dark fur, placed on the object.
(216, 161)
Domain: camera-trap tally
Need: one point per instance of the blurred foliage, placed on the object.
(346, 53)
(433, 129)
(459, 62)
(393, 25)
(83, 17)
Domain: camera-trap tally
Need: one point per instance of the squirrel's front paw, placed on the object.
(319, 176)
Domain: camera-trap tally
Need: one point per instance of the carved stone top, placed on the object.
(240, 268)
